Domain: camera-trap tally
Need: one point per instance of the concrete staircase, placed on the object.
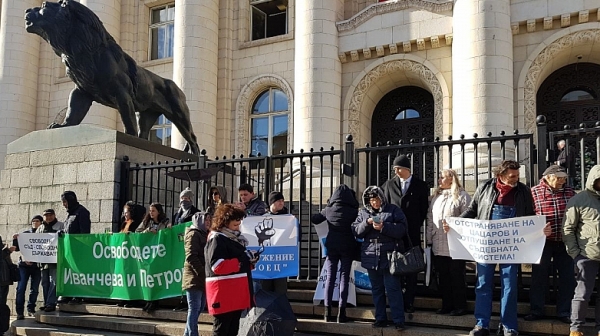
(97, 318)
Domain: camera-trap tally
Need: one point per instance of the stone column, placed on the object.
(19, 59)
(482, 68)
(109, 12)
(195, 66)
(317, 75)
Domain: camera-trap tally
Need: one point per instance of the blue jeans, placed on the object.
(484, 292)
(196, 300)
(36, 276)
(555, 254)
(382, 281)
(49, 286)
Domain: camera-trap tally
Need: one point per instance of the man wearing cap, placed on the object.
(49, 225)
(277, 204)
(28, 270)
(581, 236)
(186, 207)
(550, 198)
(411, 194)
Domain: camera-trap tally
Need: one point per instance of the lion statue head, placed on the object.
(68, 26)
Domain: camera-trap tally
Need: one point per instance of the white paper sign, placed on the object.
(38, 247)
(322, 232)
(321, 287)
(518, 240)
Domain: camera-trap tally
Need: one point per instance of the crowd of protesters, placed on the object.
(217, 269)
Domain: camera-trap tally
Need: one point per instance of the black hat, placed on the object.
(555, 170)
(275, 196)
(48, 212)
(402, 161)
(38, 217)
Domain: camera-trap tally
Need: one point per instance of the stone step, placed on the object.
(29, 327)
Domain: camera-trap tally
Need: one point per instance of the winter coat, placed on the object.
(147, 225)
(283, 211)
(414, 203)
(340, 213)
(16, 244)
(376, 243)
(177, 219)
(78, 219)
(51, 227)
(443, 206)
(194, 267)
(581, 225)
(5, 264)
(567, 161)
(256, 207)
(486, 194)
(228, 275)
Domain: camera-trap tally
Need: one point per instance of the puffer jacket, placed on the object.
(486, 194)
(340, 213)
(443, 206)
(194, 273)
(581, 223)
(376, 243)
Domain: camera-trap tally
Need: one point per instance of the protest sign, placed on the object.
(279, 236)
(320, 290)
(518, 240)
(322, 230)
(38, 247)
(134, 266)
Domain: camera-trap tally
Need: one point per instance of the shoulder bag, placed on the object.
(411, 261)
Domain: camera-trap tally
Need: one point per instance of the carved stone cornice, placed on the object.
(393, 6)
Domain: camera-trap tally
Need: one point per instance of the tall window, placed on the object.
(162, 28)
(269, 18)
(269, 123)
(161, 131)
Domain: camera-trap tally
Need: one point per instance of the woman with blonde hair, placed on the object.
(449, 200)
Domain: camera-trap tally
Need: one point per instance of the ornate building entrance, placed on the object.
(403, 114)
(570, 96)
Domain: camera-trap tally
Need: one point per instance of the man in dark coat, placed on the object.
(49, 225)
(250, 202)
(567, 160)
(411, 194)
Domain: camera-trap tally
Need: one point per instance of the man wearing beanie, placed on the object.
(27, 270)
(49, 225)
(277, 204)
(411, 194)
(186, 207)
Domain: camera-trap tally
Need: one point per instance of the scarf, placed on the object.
(235, 236)
(185, 207)
(507, 194)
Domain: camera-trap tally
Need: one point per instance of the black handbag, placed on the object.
(411, 261)
(15, 274)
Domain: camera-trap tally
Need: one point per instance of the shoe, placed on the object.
(409, 309)
(510, 332)
(75, 301)
(577, 333)
(565, 319)
(20, 317)
(443, 311)
(152, 306)
(479, 331)
(63, 299)
(146, 306)
(458, 312)
(379, 324)
(342, 318)
(327, 317)
(30, 313)
(399, 326)
(181, 306)
(532, 317)
(49, 309)
(42, 308)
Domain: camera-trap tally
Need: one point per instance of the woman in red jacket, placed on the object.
(228, 270)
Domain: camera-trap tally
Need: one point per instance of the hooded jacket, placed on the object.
(581, 225)
(194, 274)
(340, 213)
(376, 243)
(210, 209)
(78, 217)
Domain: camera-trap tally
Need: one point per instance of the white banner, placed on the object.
(320, 290)
(38, 247)
(518, 240)
(322, 231)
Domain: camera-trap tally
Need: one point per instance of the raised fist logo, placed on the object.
(264, 231)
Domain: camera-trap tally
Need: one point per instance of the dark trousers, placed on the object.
(35, 275)
(332, 266)
(587, 269)
(227, 324)
(384, 283)
(410, 284)
(452, 282)
(554, 253)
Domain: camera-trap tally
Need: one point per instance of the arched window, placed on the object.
(269, 123)
(577, 95)
(408, 114)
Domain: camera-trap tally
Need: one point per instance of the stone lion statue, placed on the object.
(104, 73)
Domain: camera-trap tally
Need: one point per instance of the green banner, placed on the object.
(134, 266)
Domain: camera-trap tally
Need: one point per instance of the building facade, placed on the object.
(274, 75)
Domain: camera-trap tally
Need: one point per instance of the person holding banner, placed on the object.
(581, 236)
(228, 270)
(449, 200)
(382, 227)
(49, 225)
(550, 199)
(28, 270)
(340, 214)
(277, 204)
(249, 202)
(498, 198)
